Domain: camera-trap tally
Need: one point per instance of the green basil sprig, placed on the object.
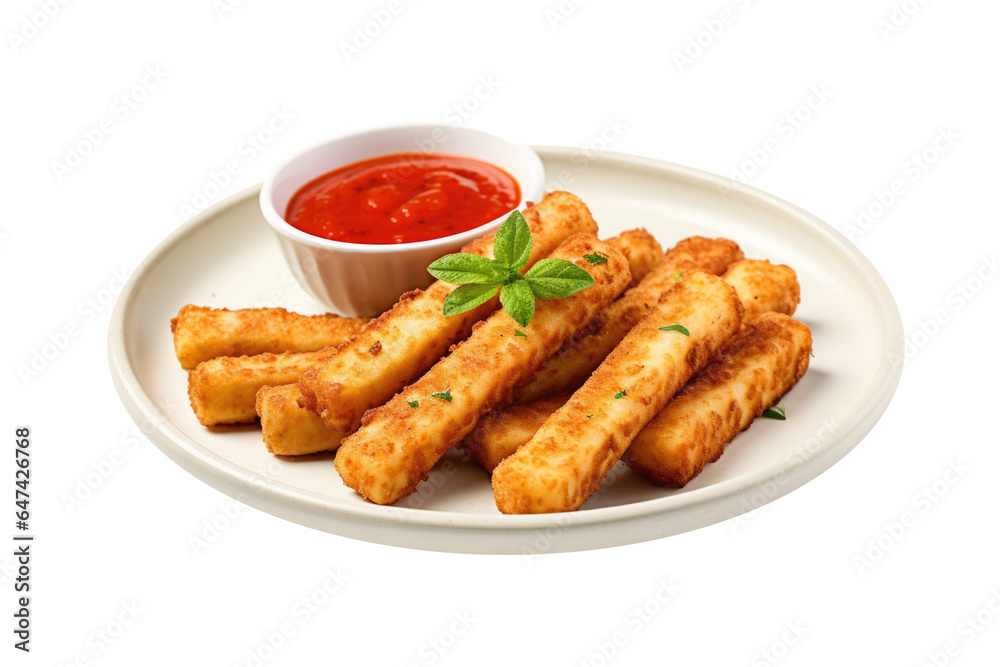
(479, 277)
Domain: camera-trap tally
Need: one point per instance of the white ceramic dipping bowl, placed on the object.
(363, 280)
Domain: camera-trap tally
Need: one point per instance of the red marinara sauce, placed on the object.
(402, 198)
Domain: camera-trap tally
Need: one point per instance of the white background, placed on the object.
(560, 73)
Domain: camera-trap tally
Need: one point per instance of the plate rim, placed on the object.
(314, 508)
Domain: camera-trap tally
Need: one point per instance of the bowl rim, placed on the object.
(278, 223)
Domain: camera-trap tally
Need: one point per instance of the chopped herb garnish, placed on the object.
(776, 412)
(479, 277)
(443, 395)
(520, 334)
(596, 259)
(620, 394)
(413, 404)
(676, 327)
(589, 416)
(678, 276)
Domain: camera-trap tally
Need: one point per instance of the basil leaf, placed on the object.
(512, 243)
(554, 278)
(464, 269)
(413, 404)
(443, 395)
(520, 334)
(676, 327)
(621, 394)
(467, 297)
(596, 259)
(518, 301)
(776, 412)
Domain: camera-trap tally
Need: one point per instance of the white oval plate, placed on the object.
(227, 256)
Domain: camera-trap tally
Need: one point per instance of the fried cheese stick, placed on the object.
(642, 251)
(290, 430)
(501, 432)
(409, 338)
(203, 333)
(565, 461)
(224, 390)
(766, 359)
(569, 367)
(399, 442)
(761, 287)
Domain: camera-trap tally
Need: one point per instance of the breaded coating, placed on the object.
(292, 430)
(399, 442)
(637, 245)
(298, 427)
(565, 461)
(763, 287)
(569, 367)
(766, 359)
(202, 333)
(642, 251)
(409, 338)
(288, 429)
(500, 432)
(224, 390)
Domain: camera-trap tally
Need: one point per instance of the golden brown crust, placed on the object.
(224, 390)
(768, 357)
(566, 459)
(642, 251)
(759, 284)
(502, 431)
(397, 444)
(288, 429)
(203, 333)
(571, 365)
(763, 287)
(414, 334)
